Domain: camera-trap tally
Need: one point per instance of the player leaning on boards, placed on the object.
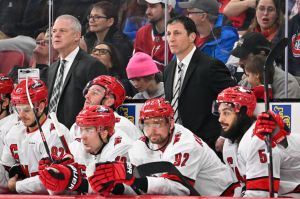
(23, 143)
(109, 91)
(165, 141)
(246, 153)
(99, 141)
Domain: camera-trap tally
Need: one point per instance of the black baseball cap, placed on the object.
(252, 42)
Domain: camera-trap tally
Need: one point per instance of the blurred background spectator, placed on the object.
(109, 56)
(103, 20)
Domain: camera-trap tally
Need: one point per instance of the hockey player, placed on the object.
(6, 118)
(246, 154)
(270, 123)
(100, 142)
(109, 91)
(23, 143)
(165, 141)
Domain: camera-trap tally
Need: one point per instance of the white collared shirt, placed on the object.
(186, 61)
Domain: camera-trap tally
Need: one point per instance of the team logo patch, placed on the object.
(285, 113)
(128, 111)
(118, 140)
(296, 45)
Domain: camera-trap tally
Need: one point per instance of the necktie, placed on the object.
(57, 87)
(176, 92)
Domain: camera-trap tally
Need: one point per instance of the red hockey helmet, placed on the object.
(112, 86)
(37, 89)
(99, 116)
(6, 84)
(239, 97)
(158, 107)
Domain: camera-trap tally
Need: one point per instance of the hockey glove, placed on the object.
(17, 169)
(270, 123)
(65, 160)
(108, 174)
(58, 177)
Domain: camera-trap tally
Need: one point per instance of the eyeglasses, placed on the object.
(264, 9)
(96, 17)
(101, 51)
(42, 42)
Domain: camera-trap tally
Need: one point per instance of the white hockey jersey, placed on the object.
(115, 150)
(193, 158)
(5, 125)
(249, 161)
(27, 149)
(123, 124)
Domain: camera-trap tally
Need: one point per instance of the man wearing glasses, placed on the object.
(216, 38)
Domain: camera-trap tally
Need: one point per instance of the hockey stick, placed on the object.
(38, 122)
(151, 168)
(59, 132)
(280, 46)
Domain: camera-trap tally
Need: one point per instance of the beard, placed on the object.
(239, 127)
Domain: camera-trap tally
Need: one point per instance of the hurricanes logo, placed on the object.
(296, 45)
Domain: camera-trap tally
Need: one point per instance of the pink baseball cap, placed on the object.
(141, 65)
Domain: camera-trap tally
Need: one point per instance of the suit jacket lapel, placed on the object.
(52, 76)
(73, 66)
(171, 80)
(192, 66)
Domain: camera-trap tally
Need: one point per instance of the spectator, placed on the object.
(193, 74)
(166, 141)
(254, 43)
(294, 45)
(246, 154)
(40, 58)
(150, 38)
(145, 77)
(135, 18)
(107, 54)
(68, 76)
(103, 19)
(240, 12)
(254, 72)
(216, 38)
(268, 20)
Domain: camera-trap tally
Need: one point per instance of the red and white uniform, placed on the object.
(248, 159)
(5, 125)
(115, 150)
(125, 125)
(192, 157)
(27, 148)
(153, 45)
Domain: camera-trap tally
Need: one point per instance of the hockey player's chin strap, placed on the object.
(167, 142)
(103, 145)
(34, 124)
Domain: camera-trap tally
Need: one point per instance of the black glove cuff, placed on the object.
(118, 189)
(74, 177)
(140, 185)
(17, 169)
(83, 187)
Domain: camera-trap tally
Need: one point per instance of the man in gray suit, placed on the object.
(75, 68)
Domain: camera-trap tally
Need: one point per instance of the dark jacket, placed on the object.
(205, 78)
(84, 68)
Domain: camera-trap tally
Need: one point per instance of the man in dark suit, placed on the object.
(75, 68)
(199, 78)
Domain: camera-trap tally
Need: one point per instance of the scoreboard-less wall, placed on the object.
(287, 109)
